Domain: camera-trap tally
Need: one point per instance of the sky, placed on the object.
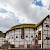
(14, 12)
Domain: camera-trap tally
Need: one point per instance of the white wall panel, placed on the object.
(27, 39)
(7, 36)
(49, 46)
(0, 38)
(27, 35)
(20, 36)
(45, 46)
(33, 42)
(12, 42)
(16, 32)
(20, 30)
(31, 29)
(12, 39)
(44, 21)
(17, 35)
(25, 46)
(0, 44)
(21, 39)
(48, 22)
(16, 39)
(44, 36)
(49, 28)
(26, 29)
(44, 25)
(45, 42)
(10, 36)
(21, 43)
(39, 28)
(32, 32)
(29, 42)
(16, 44)
(45, 28)
(48, 41)
(12, 32)
(20, 33)
(26, 42)
(31, 39)
(48, 32)
(47, 19)
(39, 42)
(9, 40)
(44, 32)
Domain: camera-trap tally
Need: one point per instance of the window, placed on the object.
(26, 36)
(47, 25)
(4, 36)
(39, 35)
(47, 38)
(12, 37)
(31, 36)
(16, 36)
(36, 28)
(9, 38)
(22, 34)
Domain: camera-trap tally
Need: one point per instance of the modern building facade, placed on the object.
(24, 35)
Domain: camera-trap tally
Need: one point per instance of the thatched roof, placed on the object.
(27, 25)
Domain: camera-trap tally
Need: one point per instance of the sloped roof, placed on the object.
(23, 26)
(42, 21)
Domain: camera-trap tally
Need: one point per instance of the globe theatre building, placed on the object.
(24, 35)
(21, 35)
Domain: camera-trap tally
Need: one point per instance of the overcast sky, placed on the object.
(13, 12)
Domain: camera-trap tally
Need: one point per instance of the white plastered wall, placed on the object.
(46, 33)
(1, 41)
(29, 32)
(39, 28)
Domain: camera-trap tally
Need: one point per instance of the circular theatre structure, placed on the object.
(21, 35)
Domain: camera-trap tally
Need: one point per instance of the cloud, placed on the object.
(2, 10)
(21, 11)
(9, 19)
